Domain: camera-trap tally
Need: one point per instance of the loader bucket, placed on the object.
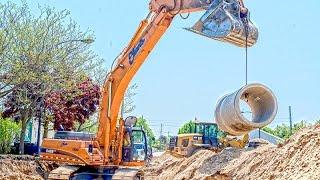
(222, 21)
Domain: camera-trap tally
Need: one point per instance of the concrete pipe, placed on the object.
(258, 97)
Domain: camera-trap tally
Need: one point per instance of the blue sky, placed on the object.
(186, 73)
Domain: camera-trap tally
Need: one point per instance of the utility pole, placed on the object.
(161, 129)
(290, 119)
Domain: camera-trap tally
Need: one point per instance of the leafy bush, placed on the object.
(8, 131)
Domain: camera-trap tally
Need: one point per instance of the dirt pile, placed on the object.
(200, 165)
(168, 167)
(297, 158)
(16, 167)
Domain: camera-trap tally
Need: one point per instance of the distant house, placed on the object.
(32, 132)
(266, 136)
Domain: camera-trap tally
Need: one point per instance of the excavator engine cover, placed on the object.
(224, 21)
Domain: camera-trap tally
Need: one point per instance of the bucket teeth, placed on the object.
(222, 22)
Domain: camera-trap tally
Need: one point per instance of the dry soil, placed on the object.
(297, 158)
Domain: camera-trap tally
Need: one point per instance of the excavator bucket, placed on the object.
(223, 21)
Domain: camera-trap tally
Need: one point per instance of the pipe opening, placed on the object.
(260, 102)
(245, 109)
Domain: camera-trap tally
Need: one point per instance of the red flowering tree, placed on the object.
(70, 106)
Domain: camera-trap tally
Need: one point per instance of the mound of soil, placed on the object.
(200, 165)
(297, 158)
(16, 167)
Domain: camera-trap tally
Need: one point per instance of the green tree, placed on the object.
(268, 130)
(8, 131)
(160, 144)
(187, 127)
(283, 130)
(143, 123)
(90, 125)
(40, 54)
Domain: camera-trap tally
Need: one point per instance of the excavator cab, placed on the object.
(135, 147)
(227, 21)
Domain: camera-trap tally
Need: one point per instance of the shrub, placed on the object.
(8, 131)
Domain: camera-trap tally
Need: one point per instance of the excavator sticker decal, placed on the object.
(135, 51)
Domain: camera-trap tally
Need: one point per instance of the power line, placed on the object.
(164, 126)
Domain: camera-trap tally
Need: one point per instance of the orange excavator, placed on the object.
(119, 149)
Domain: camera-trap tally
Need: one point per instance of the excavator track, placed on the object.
(62, 172)
(128, 174)
(71, 172)
(106, 173)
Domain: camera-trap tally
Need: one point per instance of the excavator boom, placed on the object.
(149, 32)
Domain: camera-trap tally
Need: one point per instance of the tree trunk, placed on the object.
(45, 128)
(79, 127)
(22, 135)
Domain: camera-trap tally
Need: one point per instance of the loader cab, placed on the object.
(209, 132)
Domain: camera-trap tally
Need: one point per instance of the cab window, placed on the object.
(185, 142)
(199, 128)
(138, 146)
(211, 130)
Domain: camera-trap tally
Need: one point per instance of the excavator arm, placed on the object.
(127, 64)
